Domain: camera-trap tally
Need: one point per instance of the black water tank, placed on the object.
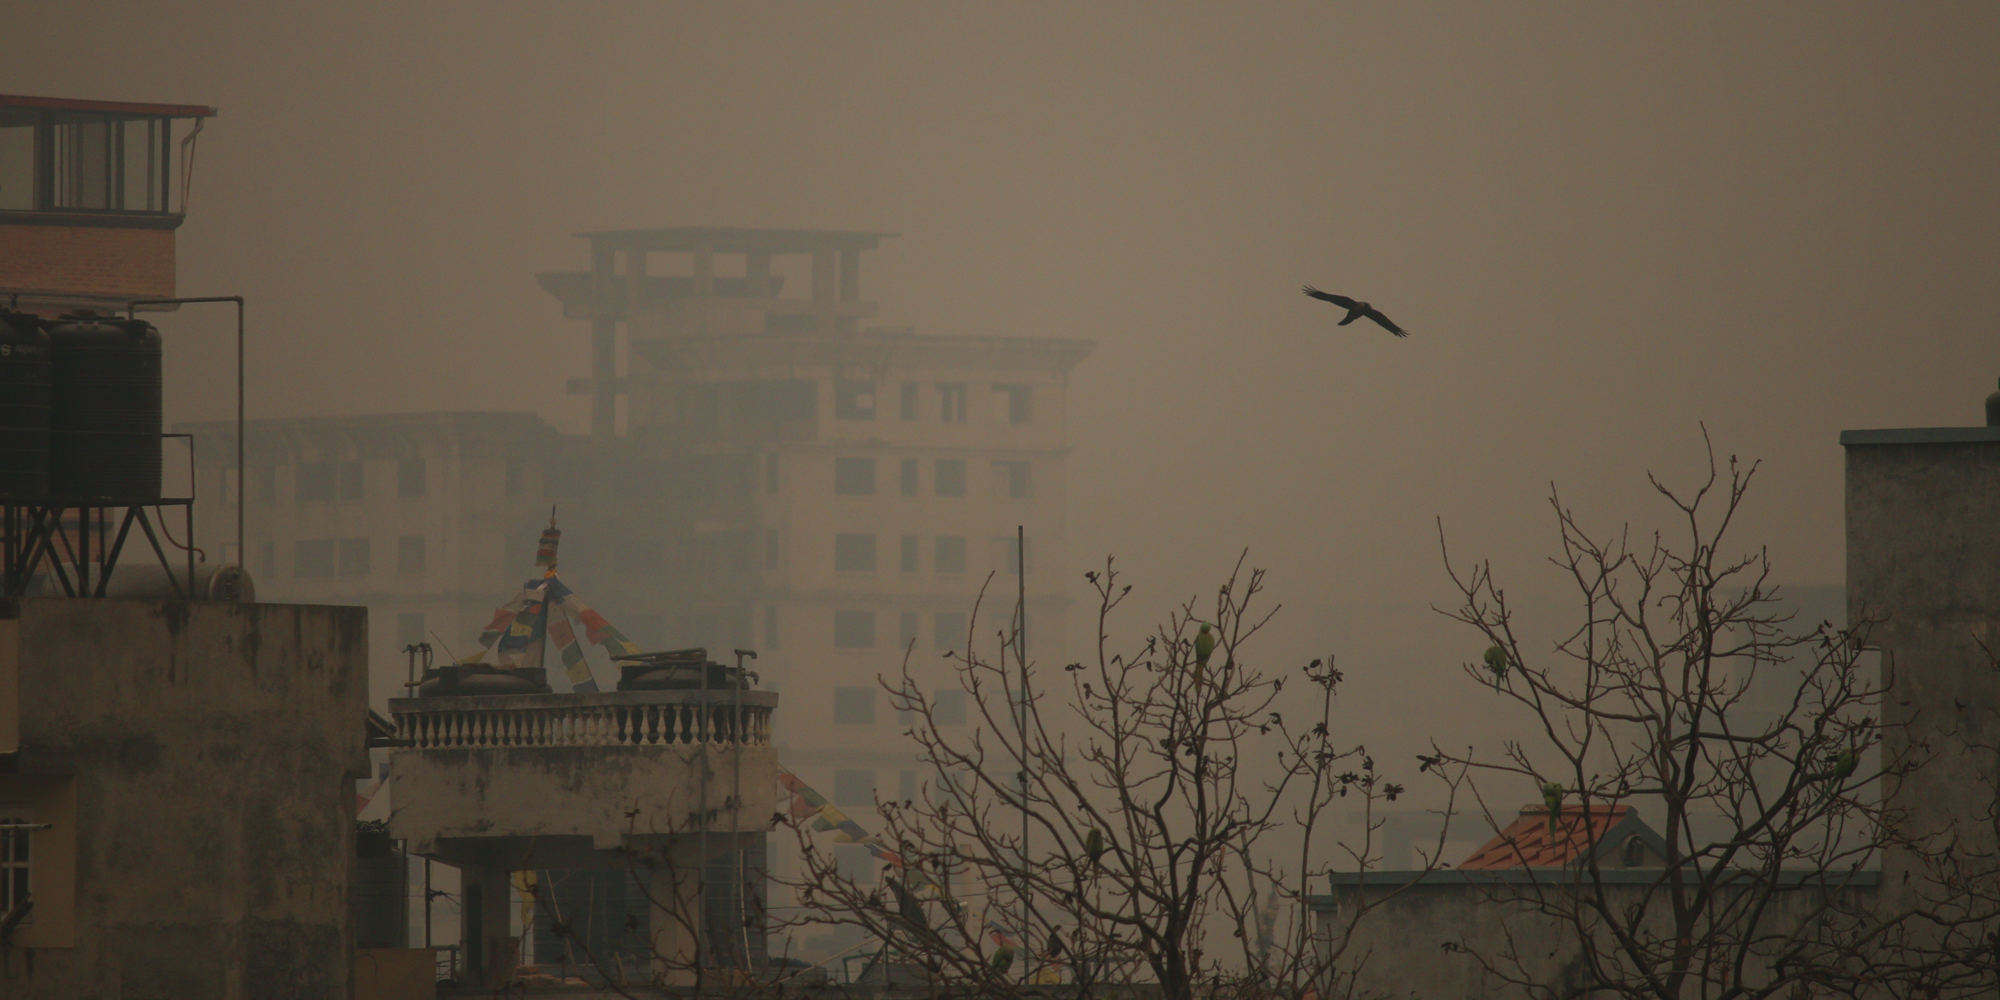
(104, 414)
(24, 407)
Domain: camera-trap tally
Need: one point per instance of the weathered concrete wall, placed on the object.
(211, 748)
(1923, 558)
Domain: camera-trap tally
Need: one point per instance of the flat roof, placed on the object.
(1921, 435)
(112, 107)
(734, 240)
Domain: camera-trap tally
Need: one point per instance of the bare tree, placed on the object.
(1776, 821)
(1109, 822)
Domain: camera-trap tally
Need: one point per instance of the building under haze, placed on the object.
(782, 479)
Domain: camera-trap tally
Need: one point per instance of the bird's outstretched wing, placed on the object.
(1340, 300)
(1386, 322)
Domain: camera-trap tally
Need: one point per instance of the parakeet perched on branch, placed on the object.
(1843, 769)
(1093, 846)
(1552, 796)
(1204, 647)
(1496, 661)
(1003, 958)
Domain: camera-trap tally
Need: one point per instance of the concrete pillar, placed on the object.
(489, 951)
(676, 916)
(603, 344)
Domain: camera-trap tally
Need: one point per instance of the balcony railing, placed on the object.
(623, 718)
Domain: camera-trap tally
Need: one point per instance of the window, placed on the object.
(412, 480)
(854, 706)
(350, 481)
(771, 472)
(410, 554)
(951, 402)
(354, 557)
(909, 477)
(951, 477)
(854, 553)
(951, 553)
(770, 626)
(906, 786)
(854, 630)
(1005, 553)
(517, 477)
(770, 548)
(950, 630)
(908, 633)
(318, 483)
(315, 558)
(909, 562)
(948, 707)
(853, 787)
(1020, 399)
(854, 400)
(909, 401)
(15, 862)
(854, 477)
(1010, 480)
(409, 629)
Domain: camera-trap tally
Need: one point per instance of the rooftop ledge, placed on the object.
(596, 719)
(1921, 435)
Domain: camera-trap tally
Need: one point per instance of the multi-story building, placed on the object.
(783, 479)
(833, 495)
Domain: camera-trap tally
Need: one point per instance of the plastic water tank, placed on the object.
(24, 407)
(104, 411)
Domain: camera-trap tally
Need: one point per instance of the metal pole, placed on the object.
(1021, 659)
(736, 728)
(428, 900)
(131, 312)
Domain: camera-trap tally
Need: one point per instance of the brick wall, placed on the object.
(86, 260)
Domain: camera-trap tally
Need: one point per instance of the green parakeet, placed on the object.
(1496, 661)
(1552, 796)
(1093, 845)
(1003, 959)
(1843, 769)
(1204, 647)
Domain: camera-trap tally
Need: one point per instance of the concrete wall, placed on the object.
(1923, 557)
(1400, 947)
(209, 751)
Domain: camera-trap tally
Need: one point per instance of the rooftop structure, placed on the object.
(1613, 834)
(90, 195)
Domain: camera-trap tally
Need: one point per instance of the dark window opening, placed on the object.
(854, 477)
(854, 400)
(951, 477)
(854, 630)
(854, 553)
(411, 478)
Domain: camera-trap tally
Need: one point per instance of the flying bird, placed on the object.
(1356, 310)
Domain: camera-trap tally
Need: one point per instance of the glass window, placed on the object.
(951, 553)
(909, 408)
(951, 402)
(854, 553)
(948, 707)
(854, 630)
(15, 860)
(909, 560)
(1020, 400)
(1008, 554)
(354, 557)
(411, 478)
(1010, 480)
(909, 477)
(410, 554)
(854, 477)
(949, 630)
(315, 558)
(350, 481)
(951, 477)
(854, 705)
(17, 165)
(907, 634)
(854, 400)
(318, 483)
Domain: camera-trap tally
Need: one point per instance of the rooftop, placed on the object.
(107, 107)
(1531, 841)
(724, 239)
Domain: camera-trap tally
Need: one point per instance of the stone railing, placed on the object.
(618, 718)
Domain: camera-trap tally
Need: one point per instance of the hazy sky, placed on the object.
(1604, 224)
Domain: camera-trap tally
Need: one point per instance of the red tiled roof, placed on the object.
(1526, 842)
